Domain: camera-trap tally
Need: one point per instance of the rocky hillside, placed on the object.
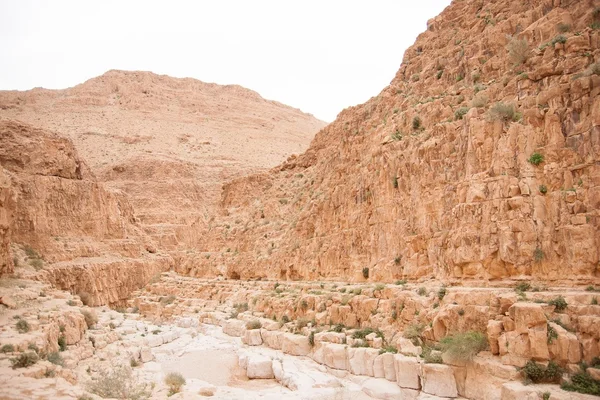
(168, 143)
(478, 163)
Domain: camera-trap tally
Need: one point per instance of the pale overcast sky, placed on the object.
(319, 56)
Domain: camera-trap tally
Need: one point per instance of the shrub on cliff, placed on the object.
(538, 373)
(174, 381)
(464, 346)
(22, 326)
(24, 360)
(504, 112)
(582, 382)
(118, 382)
(518, 51)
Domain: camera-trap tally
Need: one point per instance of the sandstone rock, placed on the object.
(272, 339)
(335, 355)
(382, 389)
(438, 379)
(407, 372)
(383, 367)
(252, 337)
(361, 360)
(295, 345)
(259, 367)
(527, 315)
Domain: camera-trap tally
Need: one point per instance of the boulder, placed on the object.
(295, 345)
(259, 367)
(407, 371)
(438, 379)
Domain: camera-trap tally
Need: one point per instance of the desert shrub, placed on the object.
(388, 349)
(460, 113)
(365, 272)
(522, 287)
(562, 39)
(91, 319)
(311, 338)
(536, 158)
(32, 346)
(285, 319)
(174, 381)
(538, 373)
(118, 382)
(22, 326)
(441, 293)
(422, 291)
(582, 382)
(301, 323)
(254, 324)
(357, 291)
(479, 101)
(416, 123)
(562, 27)
(543, 189)
(538, 254)
(518, 51)
(464, 346)
(504, 112)
(241, 307)
(304, 305)
(379, 287)
(431, 355)
(56, 358)
(36, 263)
(363, 333)
(25, 360)
(134, 363)
(7, 348)
(62, 343)
(400, 282)
(339, 328)
(551, 334)
(559, 303)
(30, 252)
(414, 332)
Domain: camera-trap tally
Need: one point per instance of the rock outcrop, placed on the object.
(479, 162)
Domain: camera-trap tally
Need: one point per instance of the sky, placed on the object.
(319, 56)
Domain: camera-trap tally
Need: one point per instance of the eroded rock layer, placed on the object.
(479, 162)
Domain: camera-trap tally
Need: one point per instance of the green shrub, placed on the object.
(36, 263)
(522, 287)
(460, 113)
(537, 373)
(552, 334)
(24, 360)
(174, 381)
(562, 27)
(479, 101)
(311, 339)
(400, 282)
(543, 189)
(441, 293)
(538, 254)
(133, 363)
(118, 382)
(582, 382)
(22, 326)
(559, 303)
(464, 346)
(365, 272)
(62, 343)
(518, 51)
(285, 319)
(504, 112)
(422, 291)
(388, 349)
(379, 287)
(431, 356)
(536, 158)
(416, 123)
(414, 332)
(7, 348)
(363, 333)
(254, 324)
(56, 358)
(559, 39)
(339, 328)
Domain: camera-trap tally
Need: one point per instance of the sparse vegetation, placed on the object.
(414, 332)
(254, 324)
(562, 39)
(479, 101)
(416, 123)
(7, 348)
(559, 303)
(538, 254)
(543, 189)
(431, 355)
(118, 382)
(422, 291)
(538, 373)
(582, 382)
(56, 358)
(536, 158)
(504, 112)
(363, 333)
(175, 382)
(311, 339)
(22, 326)
(388, 349)
(464, 346)
(365, 272)
(562, 27)
(400, 282)
(167, 300)
(339, 328)
(62, 343)
(518, 51)
(441, 293)
(24, 360)
(460, 113)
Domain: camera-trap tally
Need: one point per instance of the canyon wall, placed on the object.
(478, 163)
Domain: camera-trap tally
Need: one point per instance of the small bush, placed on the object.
(167, 300)
(479, 101)
(416, 123)
(56, 358)
(7, 348)
(522, 287)
(562, 27)
(311, 339)
(24, 360)
(582, 382)
(365, 272)
(62, 343)
(422, 291)
(388, 349)
(441, 293)
(118, 382)
(91, 319)
(538, 254)
(559, 303)
(301, 323)
(464, 346)
(32, 346)
(174, 381)
(22, 326)
(543, 189)
(363, 333)
(431, 356)
(254, 324)
(339, 328)
(537, 373)
(552, 334)
(285, 319)
(379, 287)
(414, 332)
(504, 112)
(36, 263)
(518, 51)
(536, 158)
(400, 282)
(134, 363)
(397, 260)
(460, 113)
(562, 39)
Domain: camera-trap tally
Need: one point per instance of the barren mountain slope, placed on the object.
(168, 143)
(478, 163)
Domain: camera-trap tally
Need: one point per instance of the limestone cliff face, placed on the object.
(479, 162)
(6, 261)
(61, 212)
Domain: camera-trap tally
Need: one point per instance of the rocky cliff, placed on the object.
(478, 163)
(168, 143)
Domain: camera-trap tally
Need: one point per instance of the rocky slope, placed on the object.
(168, 143)
(479, 163)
